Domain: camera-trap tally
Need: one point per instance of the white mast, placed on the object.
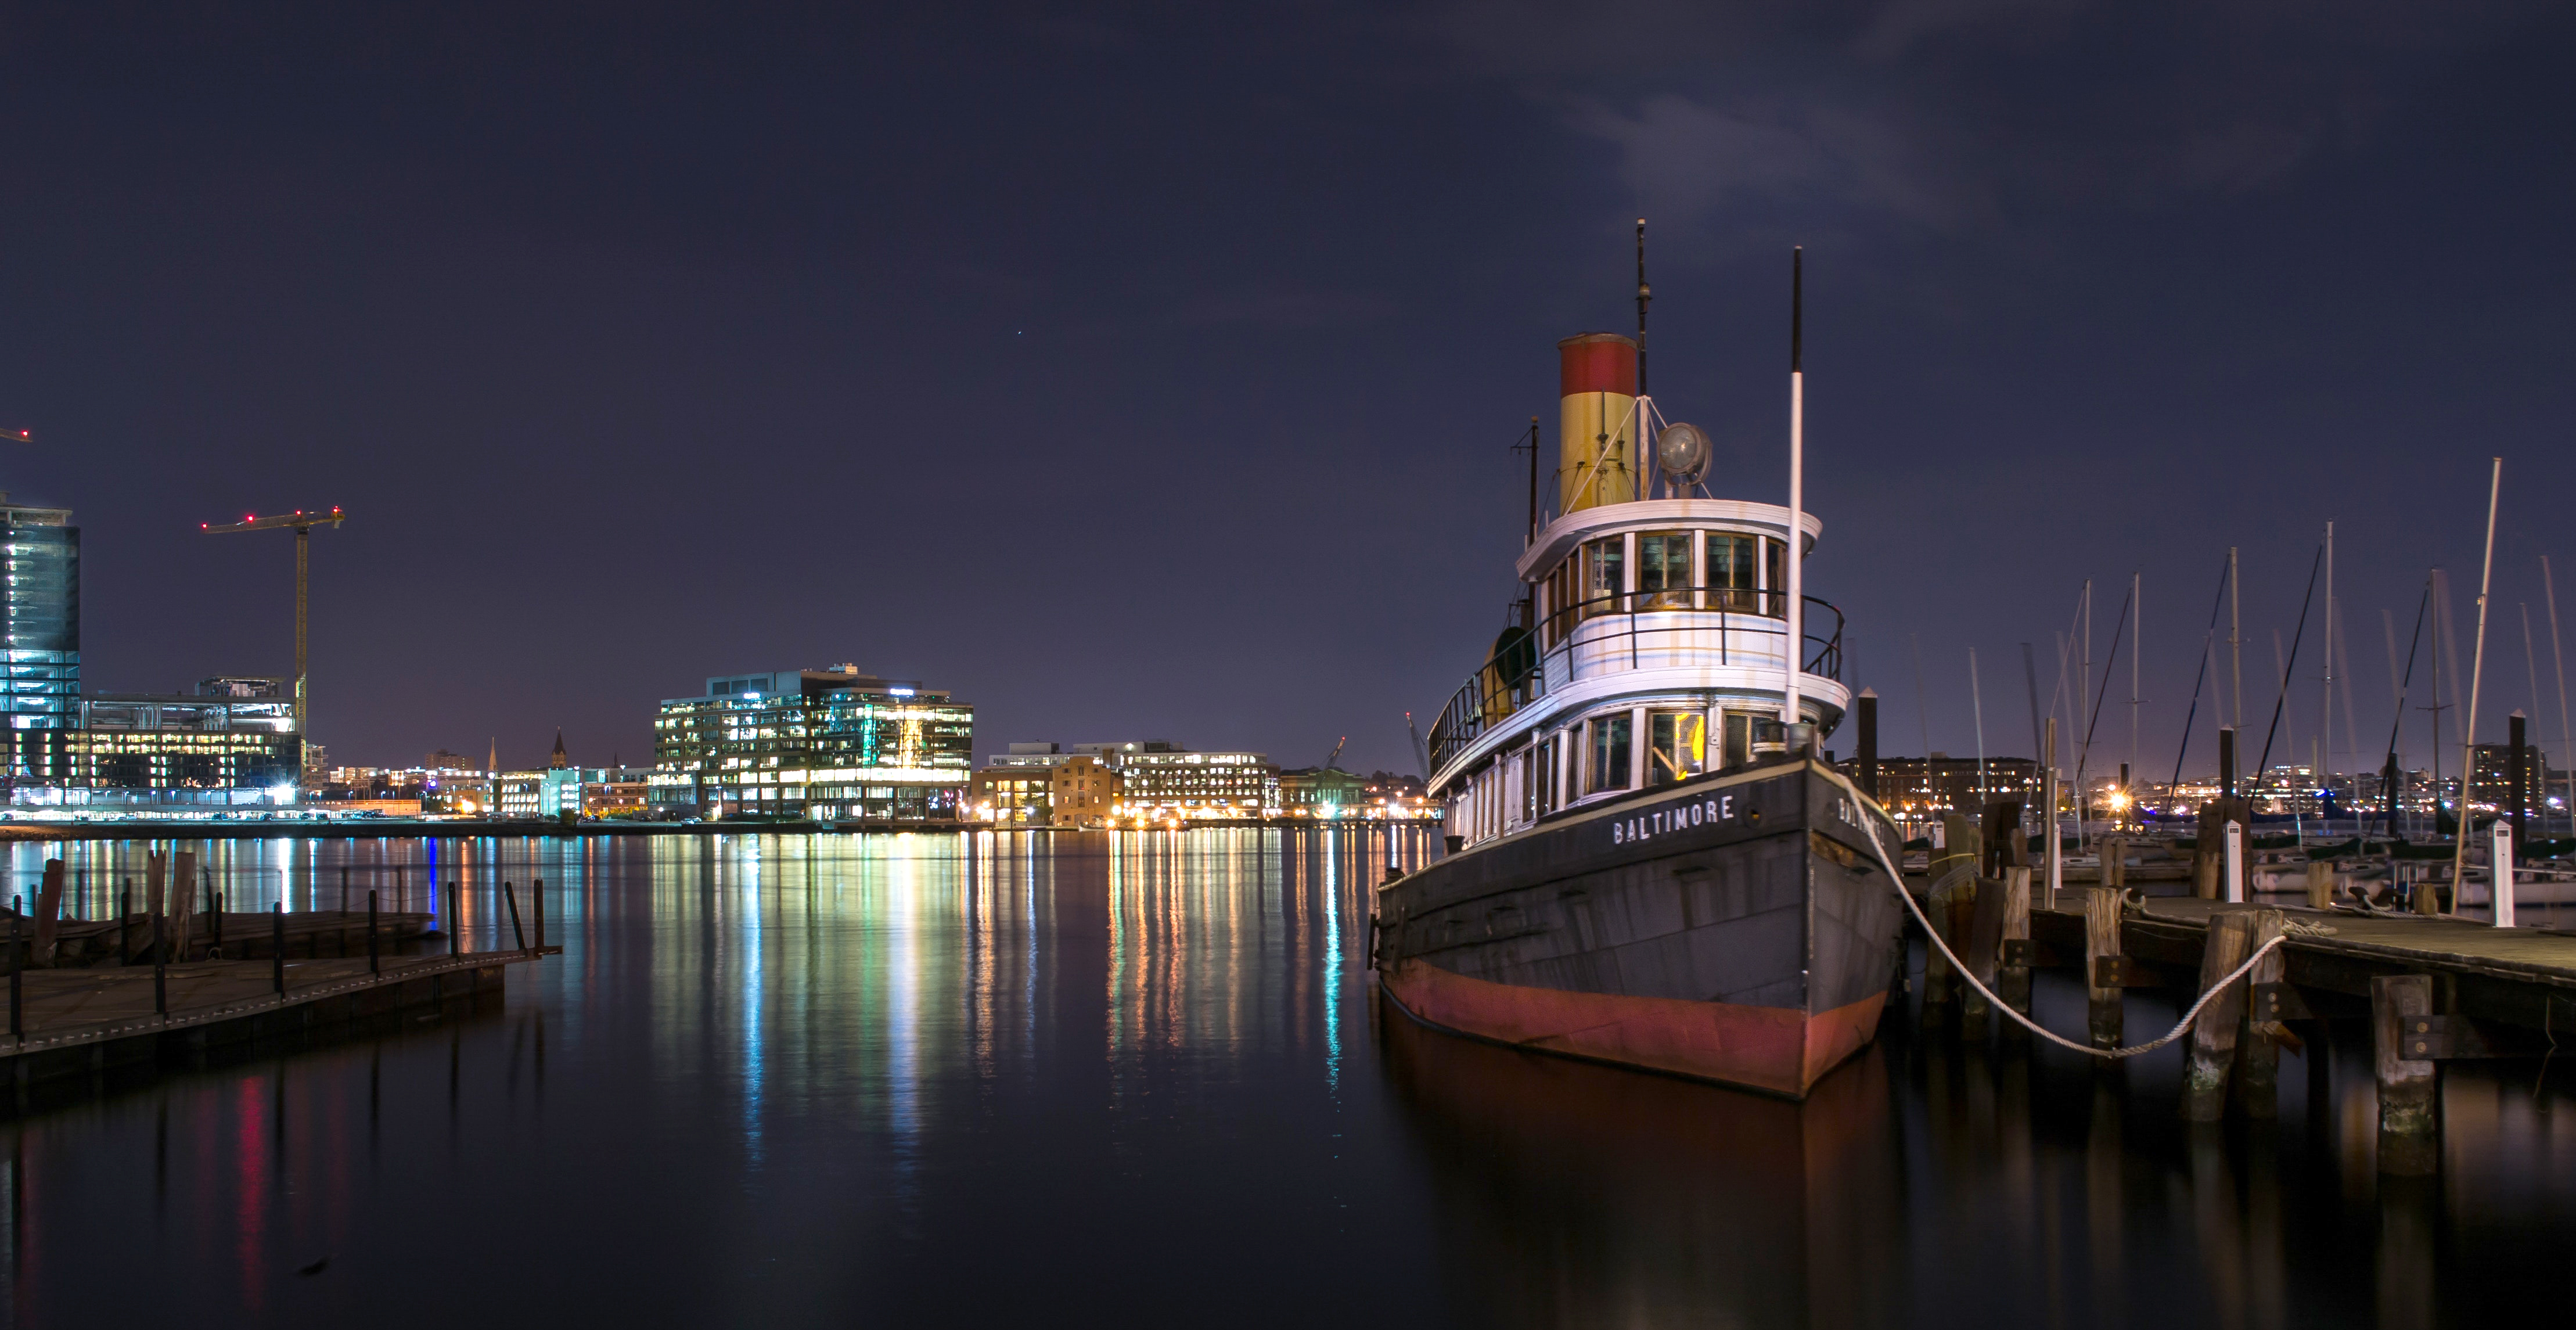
(2469, 722)
(2566, 751)
(1977, 701)
(2235, 642)
(1797, 487)
(2325, 722)
(2136, 617)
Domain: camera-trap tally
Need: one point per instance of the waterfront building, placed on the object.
(829, 743)
(1915, 788)
(136, 750)
(40, 606)
(1327, 792)
(1038, 785)
(1161, 780)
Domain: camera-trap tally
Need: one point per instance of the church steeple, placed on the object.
(559, 761)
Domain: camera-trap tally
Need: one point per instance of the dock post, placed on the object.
(2012, 981)
(512, 899)
(537, 908)
(2101, 943)
(373, 966)
(49, 911)
(2320, 885)
(277, 949)
(2213, 1039)
(2500, 872)
(124, 921)
(450, 908)
(160, 974)
(2401, 1008)
(2258, 1047)
(17, 998)
(215, 907)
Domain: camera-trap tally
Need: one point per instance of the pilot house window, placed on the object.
(1663, 570)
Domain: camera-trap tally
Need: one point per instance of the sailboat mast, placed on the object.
(1797, 622)
(2136, 617)
(2469, 722)
(2325, 720)
(2235, 641)
(2566, 750)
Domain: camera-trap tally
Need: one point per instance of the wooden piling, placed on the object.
(49, 911)
(2213, 1038)
(2114, 854)
(1942, 989)
(183, 872)
(2320, 885)
(2401, 1009)
(2258, 1048)
(17, 985)
(277, 948)
(374, 966)
(2013, 980)
(2102, 942)
(512, 899)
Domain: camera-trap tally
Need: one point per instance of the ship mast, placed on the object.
(1645, 296)
(1797, 484)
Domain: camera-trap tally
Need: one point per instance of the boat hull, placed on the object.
(1735, 928)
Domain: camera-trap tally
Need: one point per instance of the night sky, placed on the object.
(1153, 372)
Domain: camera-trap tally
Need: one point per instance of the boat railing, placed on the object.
(1631, 631)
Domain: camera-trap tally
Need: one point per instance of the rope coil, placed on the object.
(2108, 1054)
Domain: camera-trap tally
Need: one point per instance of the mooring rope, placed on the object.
(2112, 1054)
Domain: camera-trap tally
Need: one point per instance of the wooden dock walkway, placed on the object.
(82, 1021)
(2523, 977)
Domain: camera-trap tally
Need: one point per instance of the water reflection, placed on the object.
(1006, 1076)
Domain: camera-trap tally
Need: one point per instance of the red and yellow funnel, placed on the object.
(1597, 401)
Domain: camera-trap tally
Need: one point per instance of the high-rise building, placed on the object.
(40, 693)
(829, 743)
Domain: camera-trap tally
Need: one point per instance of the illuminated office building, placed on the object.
(827, 744)
(41, 595)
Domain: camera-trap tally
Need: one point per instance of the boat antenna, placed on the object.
(1796, 622)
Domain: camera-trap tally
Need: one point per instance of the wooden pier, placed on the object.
(2434, 988)
(76, 1022)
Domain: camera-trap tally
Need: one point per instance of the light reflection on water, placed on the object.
(820, 1079)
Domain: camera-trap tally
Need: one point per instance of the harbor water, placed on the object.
(1142, 1078)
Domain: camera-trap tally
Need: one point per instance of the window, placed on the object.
(1775, 581)
(1664, 570)
(1604, 575)
(1610, 740)
(1546, 775)
(1730, 572)
(1737, 745)
(1677, 746)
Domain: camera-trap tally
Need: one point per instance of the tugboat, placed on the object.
(1650, 863)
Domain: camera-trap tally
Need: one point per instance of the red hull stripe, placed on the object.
(1596, 363)
(1778, 1049)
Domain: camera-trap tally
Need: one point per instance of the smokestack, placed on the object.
(2227, 761)
(1597, 395)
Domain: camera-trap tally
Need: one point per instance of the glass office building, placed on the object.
(40, 693)
(826, 744)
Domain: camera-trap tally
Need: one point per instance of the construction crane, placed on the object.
(301, 523)
(1421, 755)
(1336, 755)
